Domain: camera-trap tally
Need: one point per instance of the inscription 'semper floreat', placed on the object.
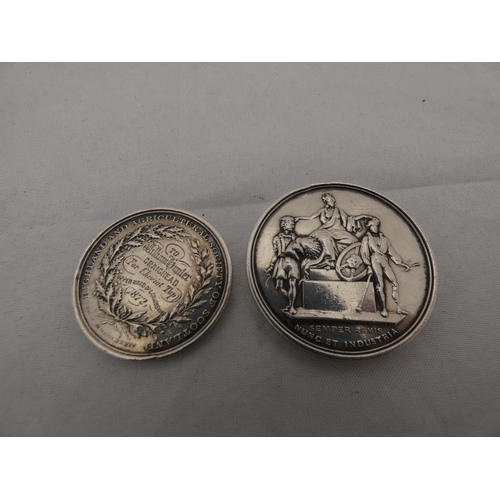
(152, 283)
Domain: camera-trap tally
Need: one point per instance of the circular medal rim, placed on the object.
(268, 313)
(114, 351)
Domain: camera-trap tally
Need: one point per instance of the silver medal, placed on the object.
(152, 283)
(342, 270)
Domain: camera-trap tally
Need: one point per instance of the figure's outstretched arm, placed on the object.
(396, 258)
(273, 261)
(361, 217)
(308, 217)
(270, 269)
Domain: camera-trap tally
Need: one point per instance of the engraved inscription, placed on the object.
(163, 277)
(136, 296)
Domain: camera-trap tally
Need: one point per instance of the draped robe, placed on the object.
(335, 233)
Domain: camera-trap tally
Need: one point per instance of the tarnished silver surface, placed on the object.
(152, 283)
(342, 270)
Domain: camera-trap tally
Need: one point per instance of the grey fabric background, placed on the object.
(85, 144)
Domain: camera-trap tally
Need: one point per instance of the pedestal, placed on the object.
(338, 296)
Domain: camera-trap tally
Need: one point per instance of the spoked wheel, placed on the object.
(349, 265)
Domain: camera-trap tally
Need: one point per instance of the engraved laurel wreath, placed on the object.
(110, 296)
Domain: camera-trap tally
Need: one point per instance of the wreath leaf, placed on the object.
(136, 315)
(115, 301)
(199, 303)
(100, 288)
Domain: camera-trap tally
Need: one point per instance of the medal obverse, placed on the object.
(152, 283)
(342, 270)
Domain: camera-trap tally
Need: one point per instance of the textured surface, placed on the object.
(83, 145)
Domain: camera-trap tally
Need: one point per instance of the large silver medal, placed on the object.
(342, 270)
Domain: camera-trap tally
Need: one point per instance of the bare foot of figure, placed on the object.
(384, 313)
(402, 311)
(293, 311)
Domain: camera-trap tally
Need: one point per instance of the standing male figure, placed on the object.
(284, 268)
(376, 250)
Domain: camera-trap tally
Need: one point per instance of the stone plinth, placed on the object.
(337, 296)
(323, 275)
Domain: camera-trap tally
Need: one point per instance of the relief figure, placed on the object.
(352, 258)
(337, 231)
(376, 251)
(283, 268)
